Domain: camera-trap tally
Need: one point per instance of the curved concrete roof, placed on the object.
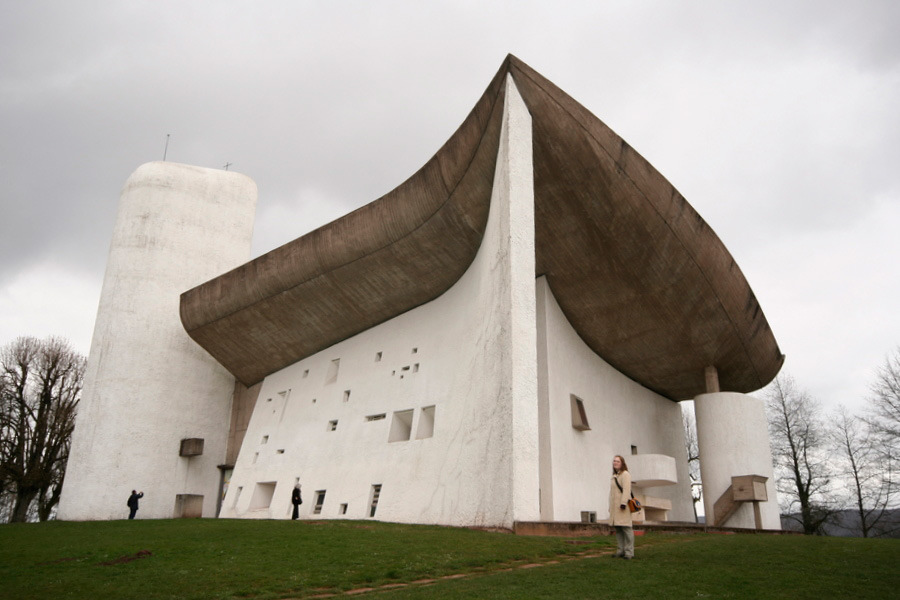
(642, 278)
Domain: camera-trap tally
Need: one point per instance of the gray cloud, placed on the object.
(776, 120)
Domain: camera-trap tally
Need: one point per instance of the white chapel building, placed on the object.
(470, 349)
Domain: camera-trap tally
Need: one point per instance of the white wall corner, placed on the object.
(516, 196)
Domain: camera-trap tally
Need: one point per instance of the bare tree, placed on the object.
(800, 453)
(693, 454)
(40, 385)
(884, 400)
(868, 472)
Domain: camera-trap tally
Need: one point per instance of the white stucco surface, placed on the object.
(468, 354)
(148, 385)
(733, 439)
(576, 466)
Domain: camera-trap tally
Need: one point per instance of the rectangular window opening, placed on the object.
(378, 417)
(343, 509)
(332, 425)
(280, 451)
(373, 499)
(255, 457)
(265, 440)
(634, 450)
(426, 423)
(579, 415)
(346, 395)
(320, 500)
(416, 368)
(305, 373)
(262, 495)
(333, 369)
(415, 350)
(237, 496)
(378, 357)
(401, 426)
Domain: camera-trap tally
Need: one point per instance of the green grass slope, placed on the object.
(196, 559)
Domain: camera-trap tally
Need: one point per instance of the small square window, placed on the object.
(378, 357)
(332, 425)
(343, 510)
(346, 395)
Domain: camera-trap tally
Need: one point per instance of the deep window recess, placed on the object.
(320, 500)
(333, 369)
(378, 417)
(579, 415)
(332, 425)
(262, 495)
(237, 496)
(415, 350)
(346, 395)
(378, 357)
(343, 509)
(401, 426)
(634, 450)
(426, 423)
(306, 373)
(265, 440)
(373, 499)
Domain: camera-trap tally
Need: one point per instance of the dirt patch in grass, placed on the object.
(127, 558)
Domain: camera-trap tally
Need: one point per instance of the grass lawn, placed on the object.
(283, 559)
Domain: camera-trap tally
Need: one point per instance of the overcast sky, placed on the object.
(778, 121)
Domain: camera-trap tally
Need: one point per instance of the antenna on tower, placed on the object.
(166, 151)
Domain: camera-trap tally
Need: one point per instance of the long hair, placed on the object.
(624, 464)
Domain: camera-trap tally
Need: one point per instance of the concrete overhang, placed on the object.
(641, 277)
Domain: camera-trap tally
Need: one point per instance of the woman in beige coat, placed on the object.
(619, 515)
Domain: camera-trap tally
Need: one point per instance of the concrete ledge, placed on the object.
(567, 529)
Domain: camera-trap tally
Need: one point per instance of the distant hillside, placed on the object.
(845, 523)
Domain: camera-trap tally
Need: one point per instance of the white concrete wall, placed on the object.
(576, 465)
(148, 385)
(469, 353)
(733, 439)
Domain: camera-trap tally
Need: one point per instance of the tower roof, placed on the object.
(641, 277)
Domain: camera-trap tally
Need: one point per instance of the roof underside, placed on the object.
(641, 277)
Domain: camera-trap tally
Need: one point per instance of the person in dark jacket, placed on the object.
(296, 500)
(133, 503)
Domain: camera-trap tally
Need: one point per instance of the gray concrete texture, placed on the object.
(643, 279)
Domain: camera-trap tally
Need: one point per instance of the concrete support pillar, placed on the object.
(733, 438)
(712, 380)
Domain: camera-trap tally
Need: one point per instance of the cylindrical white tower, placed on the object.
(733, 439)
(148, 386)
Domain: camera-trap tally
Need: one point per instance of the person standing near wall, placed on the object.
(133, 503)
(296, 500)
(619, 514)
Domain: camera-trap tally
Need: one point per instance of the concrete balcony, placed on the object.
(651, 470)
